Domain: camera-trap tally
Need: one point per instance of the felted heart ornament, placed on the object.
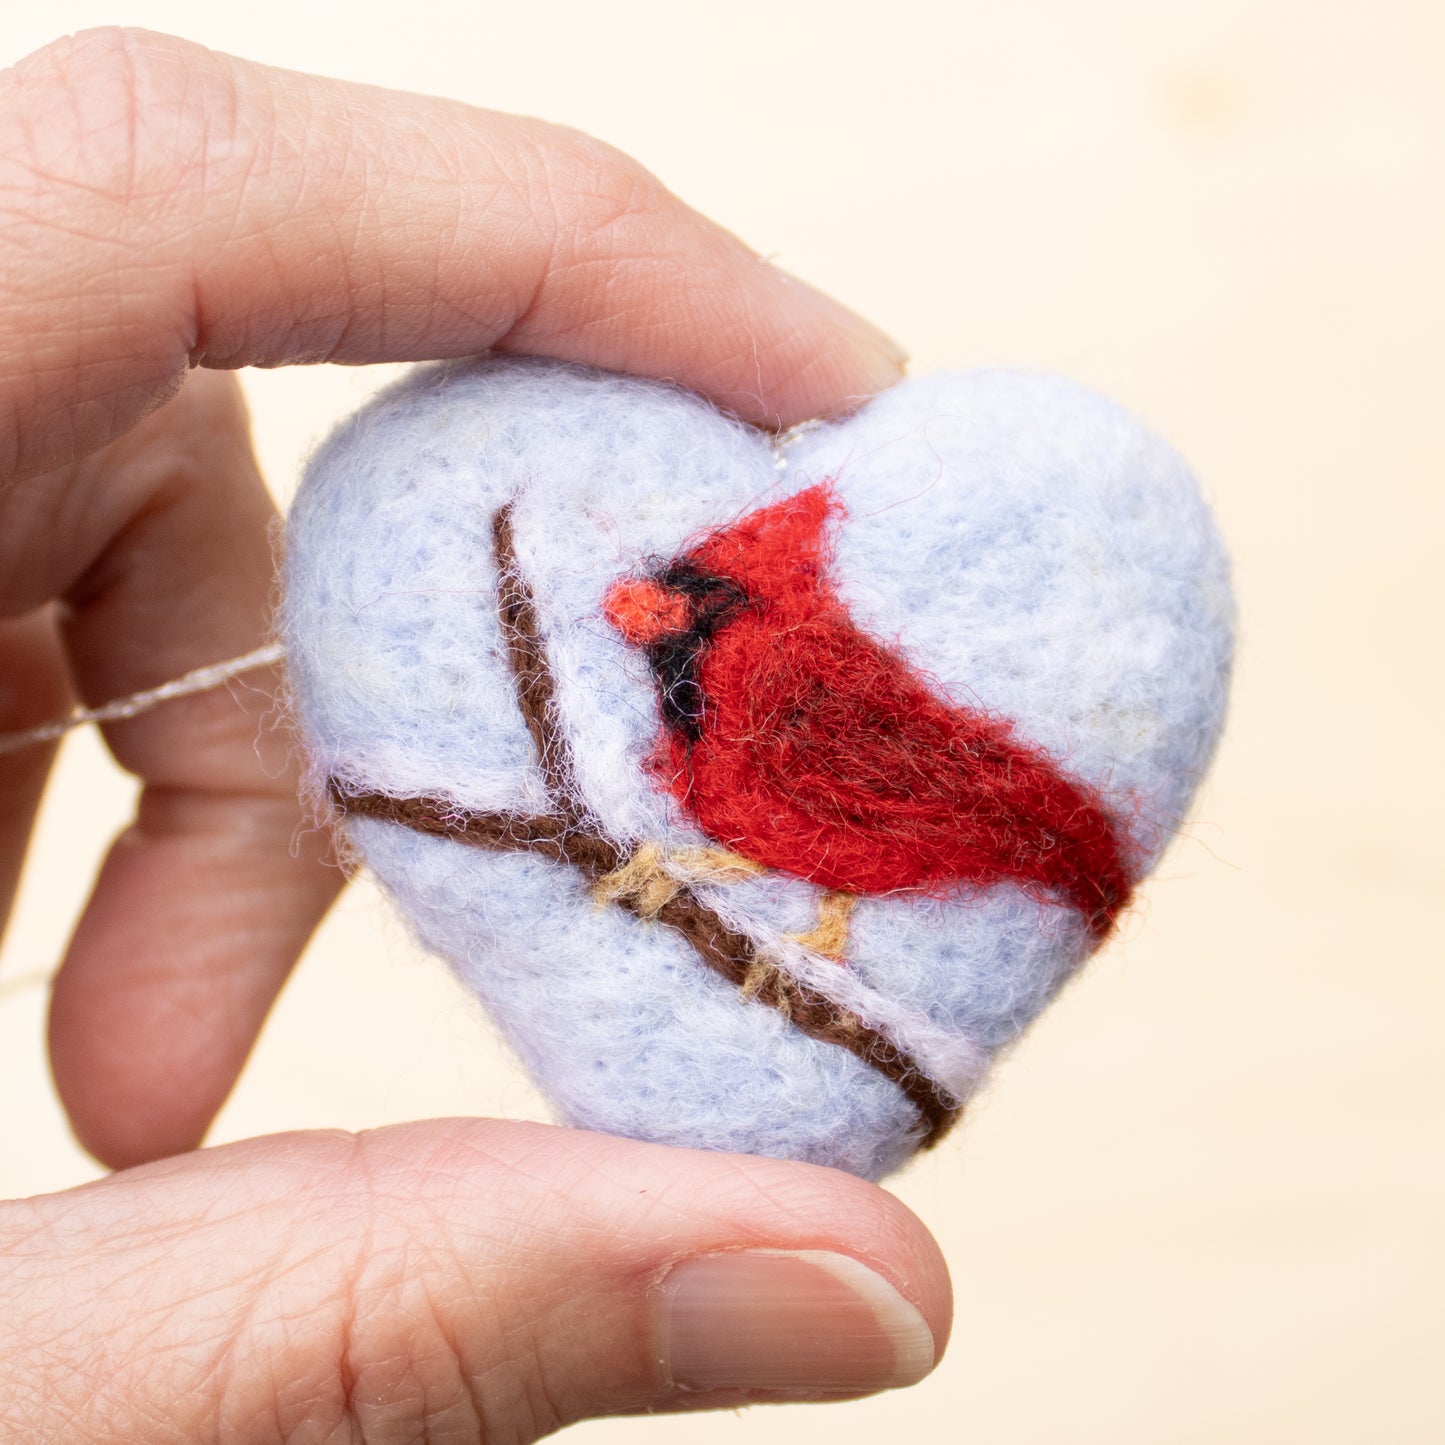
(763, 789)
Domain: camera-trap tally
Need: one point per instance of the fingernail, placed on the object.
(891, 357)
(800, 1321)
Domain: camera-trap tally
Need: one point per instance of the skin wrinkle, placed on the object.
(467, 1401)
(556, 1321)
(805, 363)
(743, 1196)
(751, 1193)
(175, 812)
(269, 159)
(223, 1372)
(97, 1378)
(536, 198)
(130, 501)
(110, 563)
(540, 1163)
(507, 1312)
(343, 283)
(121, 154)
(131, 115)
(546, 1412)
(386, 1281)
(44, 139)
(351, 1366)
(532, 236)
(344, 1196)
(623, 207)
(111, 151)
(533, 1166)
(622, 190)
(355, 304)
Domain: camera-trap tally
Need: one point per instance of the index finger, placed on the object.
(162, 206)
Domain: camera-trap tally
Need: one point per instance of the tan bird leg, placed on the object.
(830, 937)
(653, 876)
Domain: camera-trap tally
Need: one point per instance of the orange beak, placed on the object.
(643, 610)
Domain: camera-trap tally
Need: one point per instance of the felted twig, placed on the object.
(531, 672)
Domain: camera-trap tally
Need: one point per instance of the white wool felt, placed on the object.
(1023, 543)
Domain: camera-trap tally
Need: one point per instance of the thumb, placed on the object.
(460, 1280)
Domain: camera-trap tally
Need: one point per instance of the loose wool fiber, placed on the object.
(501, 639)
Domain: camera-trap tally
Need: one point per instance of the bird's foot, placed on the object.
(653, 876)
(830, 936)
(766, 980)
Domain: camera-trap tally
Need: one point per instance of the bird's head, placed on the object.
(680, 601)
(770, 556)
(769, 563)
(673, 615)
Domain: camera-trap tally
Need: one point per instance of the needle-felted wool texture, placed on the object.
(763, 790)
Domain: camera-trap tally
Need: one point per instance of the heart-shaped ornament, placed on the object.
(762, 789)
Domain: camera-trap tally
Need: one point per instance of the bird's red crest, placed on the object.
(780, 552)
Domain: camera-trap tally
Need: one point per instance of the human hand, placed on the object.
(163, 209)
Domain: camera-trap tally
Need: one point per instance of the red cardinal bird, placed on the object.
(795, 739)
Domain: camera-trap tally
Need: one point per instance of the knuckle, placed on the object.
(393, 1348)
(106, 118)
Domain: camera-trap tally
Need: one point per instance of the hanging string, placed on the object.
(202, 679)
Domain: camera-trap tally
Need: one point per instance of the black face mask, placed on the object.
(675, 657)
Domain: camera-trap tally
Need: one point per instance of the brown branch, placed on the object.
(736, 957)
(567, 836)
(547, 834)
(527, 653)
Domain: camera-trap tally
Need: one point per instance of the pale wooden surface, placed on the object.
(1203, 1202)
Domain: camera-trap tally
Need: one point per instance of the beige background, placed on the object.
(1203, 1201)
